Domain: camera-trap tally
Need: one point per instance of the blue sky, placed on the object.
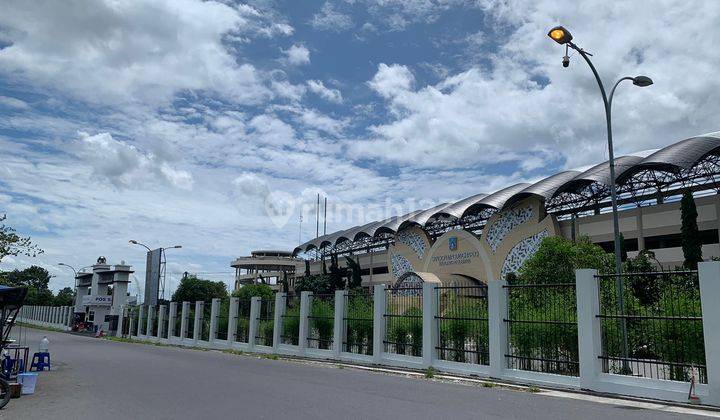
(214, 124)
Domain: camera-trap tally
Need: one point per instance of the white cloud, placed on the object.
(319, 88)
(121, 51)
(123, 165)
(329, 19)
(297, 55)
(390, 81)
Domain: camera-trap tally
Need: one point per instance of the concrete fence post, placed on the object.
(197, 328)
(588, 326)
(232, 320)
(303, 333)
(172, 319)
(280, 299)
(339, 322)
(70, 317)
(255, 303)
(497, 311)
(132, 329)
(161, 321)
(56, 316)
(121, 321)
(429, 338)
(212, 334)
(184, 319)
(379, 305)
(709, 276)
(141, 311)
(150, 321)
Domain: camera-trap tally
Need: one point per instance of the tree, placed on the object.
(319, 284)
(557, 259)
(65, 297)
(690, 234)
(623, 249)
(192, 289)
(250, 290)
(355, 278)
(36, 279)
(11, 244)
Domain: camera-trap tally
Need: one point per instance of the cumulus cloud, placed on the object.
(115, 52)
(124, 166)
(525, 104)
(297, 55)
(329, 19)
(329, 94)
(390, 81)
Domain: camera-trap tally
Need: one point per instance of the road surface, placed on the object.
(100, 379)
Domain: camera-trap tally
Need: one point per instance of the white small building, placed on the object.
(101, 294)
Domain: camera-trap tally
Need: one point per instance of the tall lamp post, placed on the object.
(162, 253)
(563, 37)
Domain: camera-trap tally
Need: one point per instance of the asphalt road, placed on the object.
(99, 379)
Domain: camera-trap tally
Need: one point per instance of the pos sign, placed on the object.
(93, 300)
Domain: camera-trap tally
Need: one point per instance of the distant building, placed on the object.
(265, 266)
(95, 301)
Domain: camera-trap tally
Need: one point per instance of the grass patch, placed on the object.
(533, 389)
(233, 351)
(270, 356)
(489, 385)
(430, 372)
(150, 343)
(38, 327)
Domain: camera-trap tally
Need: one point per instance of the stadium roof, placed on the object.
(673, 159)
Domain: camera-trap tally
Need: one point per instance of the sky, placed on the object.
(215, 124)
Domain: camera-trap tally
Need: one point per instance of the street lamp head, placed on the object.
(133, 241)
(642, 81)
(560, 35)
(177, 246)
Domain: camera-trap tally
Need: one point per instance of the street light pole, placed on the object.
(162, 257)
(562, 36)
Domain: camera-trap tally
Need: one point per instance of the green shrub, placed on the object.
(323, 312)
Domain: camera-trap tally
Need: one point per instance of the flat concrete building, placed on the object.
(266, 266)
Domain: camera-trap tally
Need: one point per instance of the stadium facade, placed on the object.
(487, 235)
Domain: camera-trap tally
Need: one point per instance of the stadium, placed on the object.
(490, 234)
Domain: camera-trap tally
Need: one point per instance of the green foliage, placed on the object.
(291, 324)
(407, 330)
(65, 297)
(557, 259)
(645, 288)
(322, 322)
(359, 329)
(250, 290)
(430, 372)
(36, 279)
(265, 331)
(193, 289)
(11, 244)
(355, 280)
(319, 284)
(690, 234)
(462, 327)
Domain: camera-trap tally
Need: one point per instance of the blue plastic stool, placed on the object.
(40, 361)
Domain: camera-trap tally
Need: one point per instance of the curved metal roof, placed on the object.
(545, 188)
(421, 218)
(681, 155)
(600, 173)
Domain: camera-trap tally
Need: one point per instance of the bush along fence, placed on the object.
(640, 334)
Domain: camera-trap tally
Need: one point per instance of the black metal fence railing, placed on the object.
(242, 325)
(155, 323)
(265, 322)
(291, 320)
(321, 321)
(142, 322)
(404, 321)
(177, 328)
(205, 317)
(222, 320)
(542, 328)
(358, 320)
(653, 327)
(462, 324)
(190, 322)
